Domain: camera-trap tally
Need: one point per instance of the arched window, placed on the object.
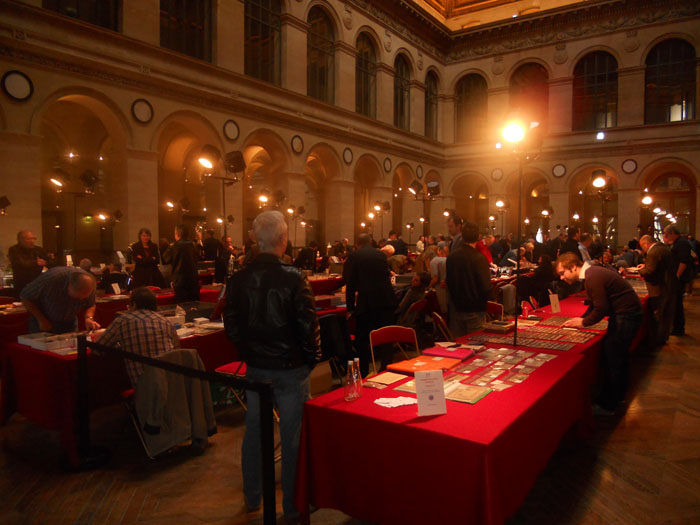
(319, 56)
(470, 108)
(529, 93)
(104, 13)
(672, 193)
(431, 105)
(595, 92)
(402, 93)
(185, 27)
(366, 77)
(670, 82)
(262, 40)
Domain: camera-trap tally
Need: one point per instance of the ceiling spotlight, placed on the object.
(647, 200)
(220, 220)
(447, 212)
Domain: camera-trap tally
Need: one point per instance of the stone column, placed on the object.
(141, 20)
(559, 201)
(139, 199)
(229, 36)
(560, 109)
(340, 210)
(296, 195)
(345, 76)
(498, 107)
(627, 220)
(294, 54)
(446, 119)
(417, 97)
(20, 157)
(630, 88)
(385, 93)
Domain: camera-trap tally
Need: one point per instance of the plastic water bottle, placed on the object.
(358, 377)
(350, 382)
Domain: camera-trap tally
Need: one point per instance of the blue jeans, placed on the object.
(290, 389)
(614, 359)
(463, 323)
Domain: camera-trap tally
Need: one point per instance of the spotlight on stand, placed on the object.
(209, 156)
(234, 162)
(647, 200)
(433, 188)
(291, 209)
(378, 206)
(547, 212)
(184, 204)
(415, 187)
(229, 220)
(598, 179)
(278, 196)
(89, 180)
(386, 206)
(4, 203)
(447, 212)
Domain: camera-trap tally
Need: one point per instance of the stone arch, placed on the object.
(532, 59)
(85, 135)
(668, 36)
(469, 71)
(374, 37)
(597, 210)
(409, 59)
(434, 70)
(593, 49)
(338, 27)
(368, 175)
(322, 165)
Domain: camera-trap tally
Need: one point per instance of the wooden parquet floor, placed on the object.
(641, 467)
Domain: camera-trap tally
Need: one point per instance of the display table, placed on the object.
(474, 464)
(326, 286)
(42, 385)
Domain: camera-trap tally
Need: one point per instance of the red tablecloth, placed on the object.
(43, 386)
(326, 286)
(474, 464)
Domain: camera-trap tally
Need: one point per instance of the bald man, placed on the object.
(56, 297)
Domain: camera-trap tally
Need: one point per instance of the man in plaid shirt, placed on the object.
(141, 331)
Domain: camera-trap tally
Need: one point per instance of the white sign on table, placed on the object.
(430, 392)
(554, 302)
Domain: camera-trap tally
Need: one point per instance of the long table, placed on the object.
(474, 464)
(42, 385)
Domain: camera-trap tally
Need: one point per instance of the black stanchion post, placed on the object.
(83, 404)
(267, 439)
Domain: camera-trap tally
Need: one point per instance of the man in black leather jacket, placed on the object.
(271, 318)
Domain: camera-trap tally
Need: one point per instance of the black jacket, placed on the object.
(366, 272)
(146, 272)
(468, 279)
(183, 255)
(270, 315)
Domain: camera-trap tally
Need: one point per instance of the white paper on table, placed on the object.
(554, 302)
(430, 391)
(116, 288)
(392, 402)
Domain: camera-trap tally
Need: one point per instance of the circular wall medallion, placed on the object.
(142, 111)
(559, 170)
(629, 166)
(419, 172)
(387, 164)
(497, 174)
(297, 144)
(347, 155)
(231, 130)
(17, 85)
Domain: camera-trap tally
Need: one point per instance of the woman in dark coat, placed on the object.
(146, 257)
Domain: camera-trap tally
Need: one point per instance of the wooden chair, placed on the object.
(397, 336)
(494, 310)
(442, 327)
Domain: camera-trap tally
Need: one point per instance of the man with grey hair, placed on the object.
(656, 272)
(57, 296)
(271, 318)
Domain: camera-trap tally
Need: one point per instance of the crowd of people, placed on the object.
(271, 318)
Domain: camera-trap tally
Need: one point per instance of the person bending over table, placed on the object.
(55, 297)
(610, 295)
(271, 318)
(141, 330)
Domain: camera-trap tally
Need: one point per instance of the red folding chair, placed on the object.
(442, 327)
(393, 335)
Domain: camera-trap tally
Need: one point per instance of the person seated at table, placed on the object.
(113, 274)
(306, 259)
(510, 258)
(141, 330)
(610, 295)
(55, 298)
(415, 293)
